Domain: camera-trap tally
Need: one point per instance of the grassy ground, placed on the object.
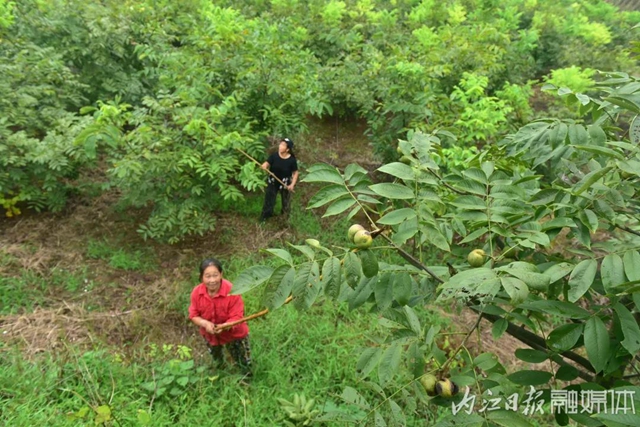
(310, 353)
(93, 319)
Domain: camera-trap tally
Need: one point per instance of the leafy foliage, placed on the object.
(551, 180)
(166, 96)
(176, 89)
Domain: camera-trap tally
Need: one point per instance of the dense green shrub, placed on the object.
(175, 89)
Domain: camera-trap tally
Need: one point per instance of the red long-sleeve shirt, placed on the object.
(221, 308)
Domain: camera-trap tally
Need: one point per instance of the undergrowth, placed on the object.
(311, 353)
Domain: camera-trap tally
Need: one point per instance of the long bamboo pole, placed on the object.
(224, 326)
(267, 170)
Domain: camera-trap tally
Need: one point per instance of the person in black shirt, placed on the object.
(284, 165)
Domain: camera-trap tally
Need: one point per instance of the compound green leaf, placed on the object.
(339, 206)
(331, 277)
(531, 356)
(435, 237)
(578, 135)
(516, 288)
(392, 191)
(558, 271)
(350, 395)
(631, 262)
(535, 281)
(415, 359)
(326, 195)
(362, 292)
(397, 216)
(612, 272)
(330, 175)
(402, 288)
(282, 254)
(250, 278)
(565, 337)
(567, 373)
(630, 329)
(543, 197)
(499, 328)
(461, 419)
(618, 419)
(306, 250)
(475, 235)
(596, 342)
(476, 174)
(306, 285)
(581, 278)
(389, 363)
(470, 186)
(557, 308)
(397, 415)
(590, 219)
(279, 287)
(352, 268)
(383, 290)
(399, 170)
(368, 361)
(369, 262)
(626, 101)
(378, 419)
(590, 179)
(603, 151)
(412, 319)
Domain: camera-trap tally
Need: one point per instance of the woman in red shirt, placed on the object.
(212, 308)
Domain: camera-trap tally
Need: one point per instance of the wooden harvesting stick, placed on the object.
(224, 326)
(267, 170)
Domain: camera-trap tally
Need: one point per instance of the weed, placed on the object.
(21, 293)
(136, 260)
(286, 358)
(72, 282)
(250, 205)
(6, 259)
(170, 379)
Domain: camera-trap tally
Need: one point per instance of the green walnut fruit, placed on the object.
(313, 243)
(429, 384)
(363, 239)
(447, 388)
(512, 253)
(353, 230)
(406, 160)
(476, 258)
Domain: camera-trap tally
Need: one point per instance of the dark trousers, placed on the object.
(270, 198)
(240, 352)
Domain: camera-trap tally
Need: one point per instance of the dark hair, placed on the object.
(290, 145)
(208, 263)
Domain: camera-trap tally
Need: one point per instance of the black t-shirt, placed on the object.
(282, 168)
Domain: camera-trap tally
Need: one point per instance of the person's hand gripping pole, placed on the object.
(267, 170)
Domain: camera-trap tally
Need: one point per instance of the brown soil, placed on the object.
(128, 308)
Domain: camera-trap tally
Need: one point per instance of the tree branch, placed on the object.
(455, 190)
(628, 230)
(526, 337)
(412, 260)
(538, 343)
